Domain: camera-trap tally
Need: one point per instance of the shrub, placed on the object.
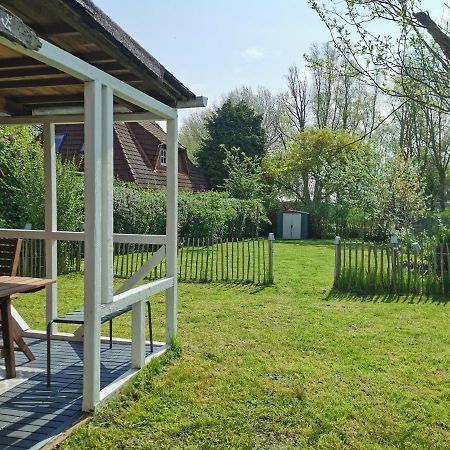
(206, 214)
(22, 183)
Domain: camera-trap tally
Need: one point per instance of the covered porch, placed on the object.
(66, 62)
(32, 414)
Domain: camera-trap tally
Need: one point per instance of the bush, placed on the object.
(22, 183)
(206, 214)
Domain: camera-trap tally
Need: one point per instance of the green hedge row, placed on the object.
(206, 214)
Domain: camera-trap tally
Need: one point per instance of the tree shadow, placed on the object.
(307, 243)
(413, 299)
(232, 285)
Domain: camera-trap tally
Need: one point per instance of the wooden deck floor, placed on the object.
(31, 413)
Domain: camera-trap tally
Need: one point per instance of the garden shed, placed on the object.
(66, 62)
(293, 225)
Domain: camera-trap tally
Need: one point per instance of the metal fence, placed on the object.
(199, 260)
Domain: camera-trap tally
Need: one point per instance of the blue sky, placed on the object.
(216, 46)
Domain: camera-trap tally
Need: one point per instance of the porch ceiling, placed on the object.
(82, 29)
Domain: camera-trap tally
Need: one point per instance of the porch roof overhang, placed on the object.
(31, 87)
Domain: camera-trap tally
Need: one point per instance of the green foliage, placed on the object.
(399, 199)
(22, 183)
(341, 180)
(232, 125)
(244, 175)
(208, 214)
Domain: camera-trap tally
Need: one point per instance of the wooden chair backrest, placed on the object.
(9, 256)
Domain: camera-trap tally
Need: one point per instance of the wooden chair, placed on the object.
(9, 262)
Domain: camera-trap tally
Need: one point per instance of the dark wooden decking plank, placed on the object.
(31, 413)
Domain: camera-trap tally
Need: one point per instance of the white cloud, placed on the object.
(252, 54)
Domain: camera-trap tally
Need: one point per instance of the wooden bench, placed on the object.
(77, 318)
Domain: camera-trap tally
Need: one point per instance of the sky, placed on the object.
(217, 45)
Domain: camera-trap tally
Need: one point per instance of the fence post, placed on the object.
(337, 260)
(394, 243)
(271, 239)
(416, 250)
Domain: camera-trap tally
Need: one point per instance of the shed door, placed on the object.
(292, 226)
(296, 226)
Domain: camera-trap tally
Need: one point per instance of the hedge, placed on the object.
(206, 214)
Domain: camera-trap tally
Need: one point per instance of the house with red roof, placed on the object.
(139, 154)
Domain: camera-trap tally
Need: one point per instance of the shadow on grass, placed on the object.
(239, 286)
(415, 299)
(307, 243)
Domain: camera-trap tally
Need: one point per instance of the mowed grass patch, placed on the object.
(292, 365)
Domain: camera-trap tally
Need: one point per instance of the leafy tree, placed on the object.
(244, 175)
(410, 60)
(399, 199)
(324, 171)
(193, 132)
(269, 106)
(232, 125)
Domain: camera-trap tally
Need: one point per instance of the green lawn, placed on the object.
(289, 366)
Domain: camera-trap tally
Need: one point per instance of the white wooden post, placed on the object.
(107, 194)
(50, 220)
(93, 240)
(138, 335)
(171, 227)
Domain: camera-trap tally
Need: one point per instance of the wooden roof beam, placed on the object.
(10, 107)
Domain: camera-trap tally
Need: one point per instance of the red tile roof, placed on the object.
(137, 147)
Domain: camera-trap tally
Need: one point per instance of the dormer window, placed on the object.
(162, 155)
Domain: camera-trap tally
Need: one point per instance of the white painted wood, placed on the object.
(19, 321)
(137, 294)
(73, 118)
(120, 382)
(41, 334)
(172, 227)
(51, 258)
(41, 234)
(138, 335)
(93, 222)
(156, 239)
(69, 110)
(107, 154)
(60, 59)
(143, 271)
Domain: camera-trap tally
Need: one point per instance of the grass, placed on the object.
(293, 365)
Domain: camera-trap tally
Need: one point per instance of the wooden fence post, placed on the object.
(337, 260)
(394, 243)
(271, 239)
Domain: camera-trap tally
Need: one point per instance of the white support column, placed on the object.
(138, 335)
(172, 227)
(107, 194)
(50, 220)
(93, 241)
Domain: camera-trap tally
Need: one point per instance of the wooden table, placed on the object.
(8, 287)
